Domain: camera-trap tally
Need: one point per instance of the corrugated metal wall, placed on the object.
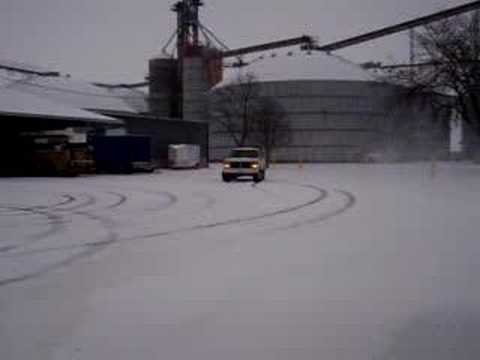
(343, 121)
(163, 87)
(164, 132)
(195, 89)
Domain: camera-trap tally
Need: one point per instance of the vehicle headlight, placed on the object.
(227, 166)
(254, 166)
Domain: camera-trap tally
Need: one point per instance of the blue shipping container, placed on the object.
(122, 154)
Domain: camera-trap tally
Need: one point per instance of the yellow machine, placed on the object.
(53, 155)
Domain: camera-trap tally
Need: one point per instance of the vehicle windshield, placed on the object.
(244, 153)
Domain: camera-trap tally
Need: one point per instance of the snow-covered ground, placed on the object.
(320, 262)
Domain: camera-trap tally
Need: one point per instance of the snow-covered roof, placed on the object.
(134, 98)
(300, 66)
(14, 102)
(72, 92)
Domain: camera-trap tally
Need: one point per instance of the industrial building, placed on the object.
(33, 100)
(24, 112)
(337, 112)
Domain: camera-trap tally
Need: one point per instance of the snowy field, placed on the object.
(322, 262)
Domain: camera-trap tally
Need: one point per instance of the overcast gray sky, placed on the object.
(112, 40)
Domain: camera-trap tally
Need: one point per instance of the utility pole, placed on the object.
(411, 35)
(476, 34)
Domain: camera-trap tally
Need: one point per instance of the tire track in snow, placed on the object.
(92, 248)
(7, 248)
(55, 222)
(89, 249)
(68, 200)
(322, 195)
(350, 202)
(121, 200)
(19, 254)
(81, 250)
(171, 200)
(53, 213)
(90, 200)
(106, 223)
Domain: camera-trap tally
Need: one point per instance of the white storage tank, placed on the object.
(337, 111)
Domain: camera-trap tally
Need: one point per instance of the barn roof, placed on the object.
(17, 103)
(65, 90)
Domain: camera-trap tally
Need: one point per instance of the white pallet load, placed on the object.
(183, 156)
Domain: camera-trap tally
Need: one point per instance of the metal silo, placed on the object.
(337, 111)
(164, 97)
(195, 88)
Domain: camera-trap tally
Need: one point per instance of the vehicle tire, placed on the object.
(263, 175)
(226, 178)
(259, 177)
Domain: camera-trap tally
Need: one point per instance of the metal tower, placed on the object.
(188, 25)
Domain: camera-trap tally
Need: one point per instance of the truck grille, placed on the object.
(240, 165)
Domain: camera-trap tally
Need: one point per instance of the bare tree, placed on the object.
(235, 105)
(270, 129)
(248, 117)
(448, 65)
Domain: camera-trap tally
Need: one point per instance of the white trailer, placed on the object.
(183, 156)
